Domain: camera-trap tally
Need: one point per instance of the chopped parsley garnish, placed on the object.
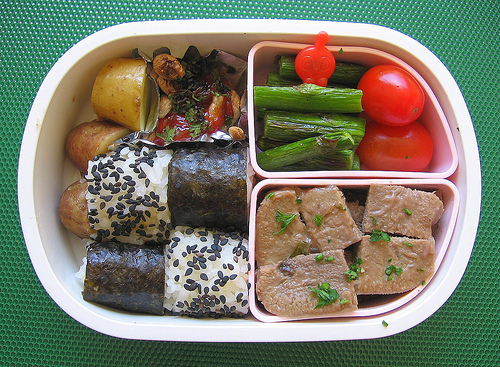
(284, 219)
(299, 201)
(408, 211)
(168, 134)
(409, 244)
(318, 219)
(354, 270)
(384, 323)
(420, 269)
(374, 220)
(270, 195)
(326, 295)
(379, 236)
(319, 257)
(391, 270)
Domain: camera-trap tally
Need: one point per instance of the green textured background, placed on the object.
(465, 331)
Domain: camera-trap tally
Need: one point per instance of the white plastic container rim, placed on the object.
(467, 178)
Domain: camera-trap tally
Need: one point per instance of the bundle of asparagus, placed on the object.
(308, 127)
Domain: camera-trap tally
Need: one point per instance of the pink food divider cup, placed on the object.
(261, 61)
(442, 232)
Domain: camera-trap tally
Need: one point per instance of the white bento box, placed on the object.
(63, 101)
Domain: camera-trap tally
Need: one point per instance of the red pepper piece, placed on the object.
(315, 64)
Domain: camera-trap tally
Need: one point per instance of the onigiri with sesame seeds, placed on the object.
(206, 273)
(127, 194)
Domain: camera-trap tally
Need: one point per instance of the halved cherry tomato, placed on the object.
(391, 96)
(395, 148)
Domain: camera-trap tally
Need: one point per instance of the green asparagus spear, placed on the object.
(274, 79)
(345, 160)
(308, 98)
(276, 158)
(347, 74)
(292, 126)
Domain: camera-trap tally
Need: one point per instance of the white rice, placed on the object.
(206, 273)
(127, 195)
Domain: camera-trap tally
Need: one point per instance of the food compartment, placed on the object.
(263, 60)
(368, 305)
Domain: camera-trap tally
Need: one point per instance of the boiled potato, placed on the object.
(91, 138)
(123, 93)
(73, 210)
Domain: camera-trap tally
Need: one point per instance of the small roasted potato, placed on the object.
(73, 211)
(91, 138)
(122, 93)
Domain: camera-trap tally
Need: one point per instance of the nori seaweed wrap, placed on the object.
(208, 187)
(126, 276)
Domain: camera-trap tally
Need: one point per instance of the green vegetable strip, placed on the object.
(344, 160)
(265, 144)
(292, 126)
(276, 158)
(276, 80)
(308, 98)
(345, 73)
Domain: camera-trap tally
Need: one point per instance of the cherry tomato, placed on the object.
(391, 96)
(395, 148)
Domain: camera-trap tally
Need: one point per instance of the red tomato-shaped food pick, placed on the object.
(395, 148)
(315, 64)
(391, 96)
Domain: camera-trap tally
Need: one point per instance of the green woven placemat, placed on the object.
(34, 331)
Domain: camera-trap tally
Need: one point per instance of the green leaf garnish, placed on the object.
(354, 270)
(374, 220)
(379, 236)
(344, 301)
(270, 195)
(284, 219)
(319, 257)
(318, 219)
(326, 295)
(391, 270)
(409, 244)
(408, 211)
(384, 323)
(299, 201)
